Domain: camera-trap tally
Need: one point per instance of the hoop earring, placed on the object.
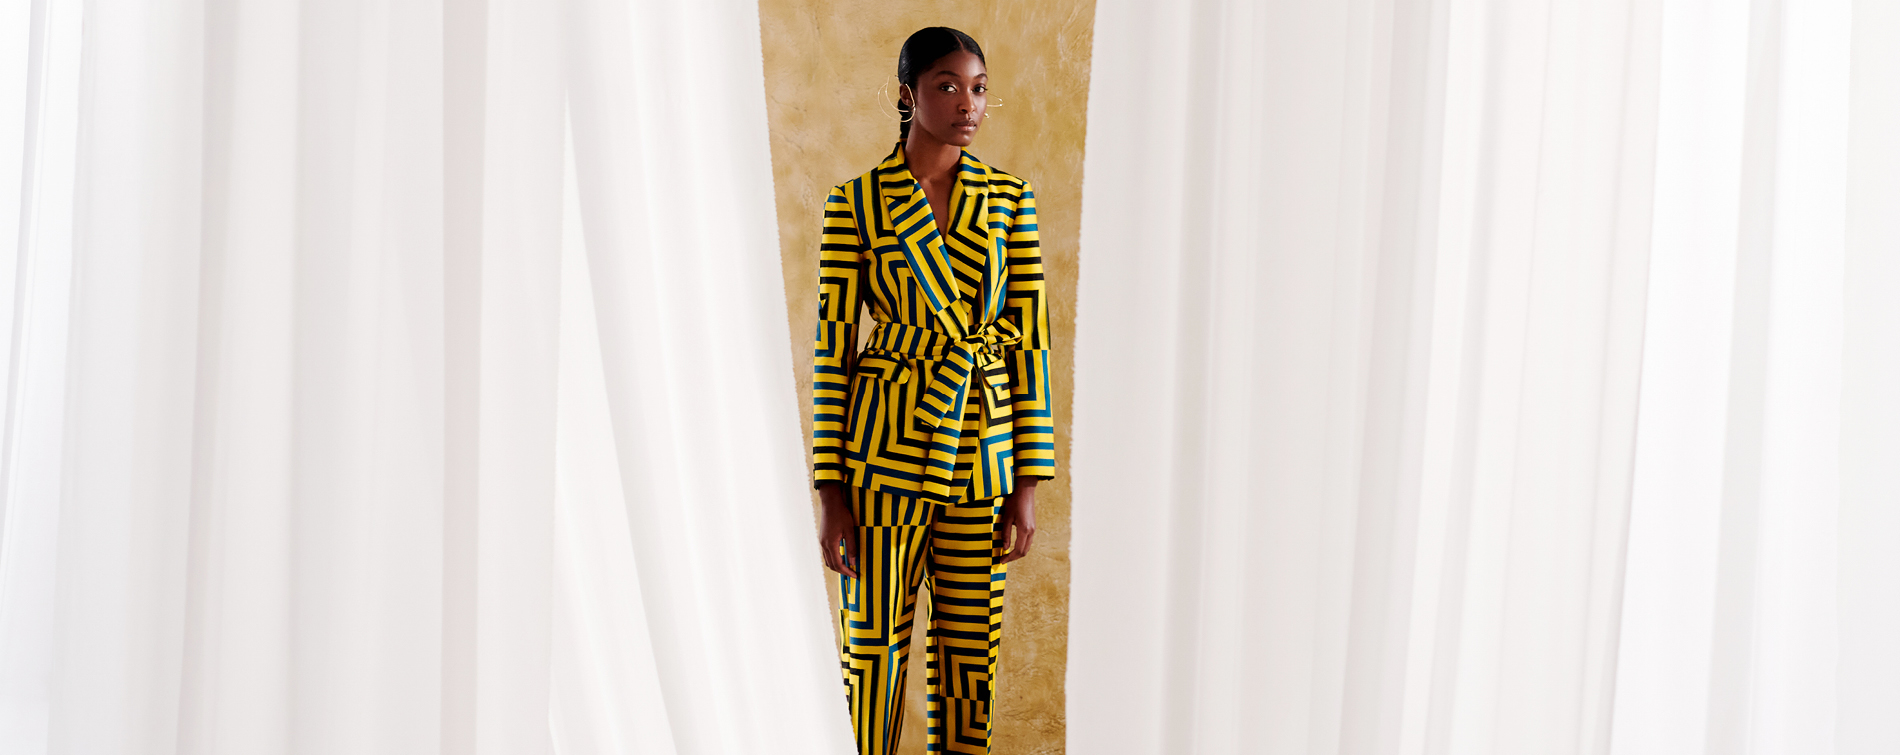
(884, 98)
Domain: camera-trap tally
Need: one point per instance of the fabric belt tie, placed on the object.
(959, 360)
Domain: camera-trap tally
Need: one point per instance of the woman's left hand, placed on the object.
(1019, 518)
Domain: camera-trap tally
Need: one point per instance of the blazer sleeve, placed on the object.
(1034, 439)
(840, 297)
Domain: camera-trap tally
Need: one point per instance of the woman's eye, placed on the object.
(948, 87)
(979, 89)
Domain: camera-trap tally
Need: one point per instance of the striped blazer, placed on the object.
(949, 398)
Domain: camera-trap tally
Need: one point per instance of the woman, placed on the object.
(928, 445)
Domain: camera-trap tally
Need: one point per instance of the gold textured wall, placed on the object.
(824, 65)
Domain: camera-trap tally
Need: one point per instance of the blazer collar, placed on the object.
(970, 229)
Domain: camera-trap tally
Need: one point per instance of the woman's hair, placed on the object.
(921, 51)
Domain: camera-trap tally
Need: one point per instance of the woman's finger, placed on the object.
(850, 561)
(1023, 536)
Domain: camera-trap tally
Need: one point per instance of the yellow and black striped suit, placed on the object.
(929, 426)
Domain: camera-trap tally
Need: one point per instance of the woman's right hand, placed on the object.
(837, 525)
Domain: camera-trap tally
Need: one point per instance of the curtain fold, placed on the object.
(421, 387)
(1468, 377)
(41, 112)
(1869, 564)
(1731, 632)
(673, 174)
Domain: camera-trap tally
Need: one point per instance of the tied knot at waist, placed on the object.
(912, 342)
(959, 360)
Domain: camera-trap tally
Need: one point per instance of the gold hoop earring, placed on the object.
(884, 97)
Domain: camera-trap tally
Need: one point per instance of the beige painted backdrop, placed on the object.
(825, 63)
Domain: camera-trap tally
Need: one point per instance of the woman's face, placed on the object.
(950, 98)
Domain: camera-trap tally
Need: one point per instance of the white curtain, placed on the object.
(1458, 376)
(398, 377)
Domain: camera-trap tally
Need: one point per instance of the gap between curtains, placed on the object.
(1453, 377)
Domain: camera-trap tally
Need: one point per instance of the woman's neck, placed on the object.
(929, 158)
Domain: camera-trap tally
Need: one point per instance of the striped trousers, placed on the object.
(951, 551)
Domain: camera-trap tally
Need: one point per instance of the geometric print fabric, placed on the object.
(949, 400)
(949, 553)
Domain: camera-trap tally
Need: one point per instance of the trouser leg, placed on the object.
(875, 613)
(965, 587)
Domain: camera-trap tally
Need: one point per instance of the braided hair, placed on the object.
(922, 50)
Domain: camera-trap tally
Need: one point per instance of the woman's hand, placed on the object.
(837, 524)
(1019, 518)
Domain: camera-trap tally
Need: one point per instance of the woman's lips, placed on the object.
(965, 126)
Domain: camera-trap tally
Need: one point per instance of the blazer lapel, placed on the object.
(916, 232)
(981, 234)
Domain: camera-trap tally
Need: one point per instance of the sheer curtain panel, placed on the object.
(1487, 377)
(398, 377)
